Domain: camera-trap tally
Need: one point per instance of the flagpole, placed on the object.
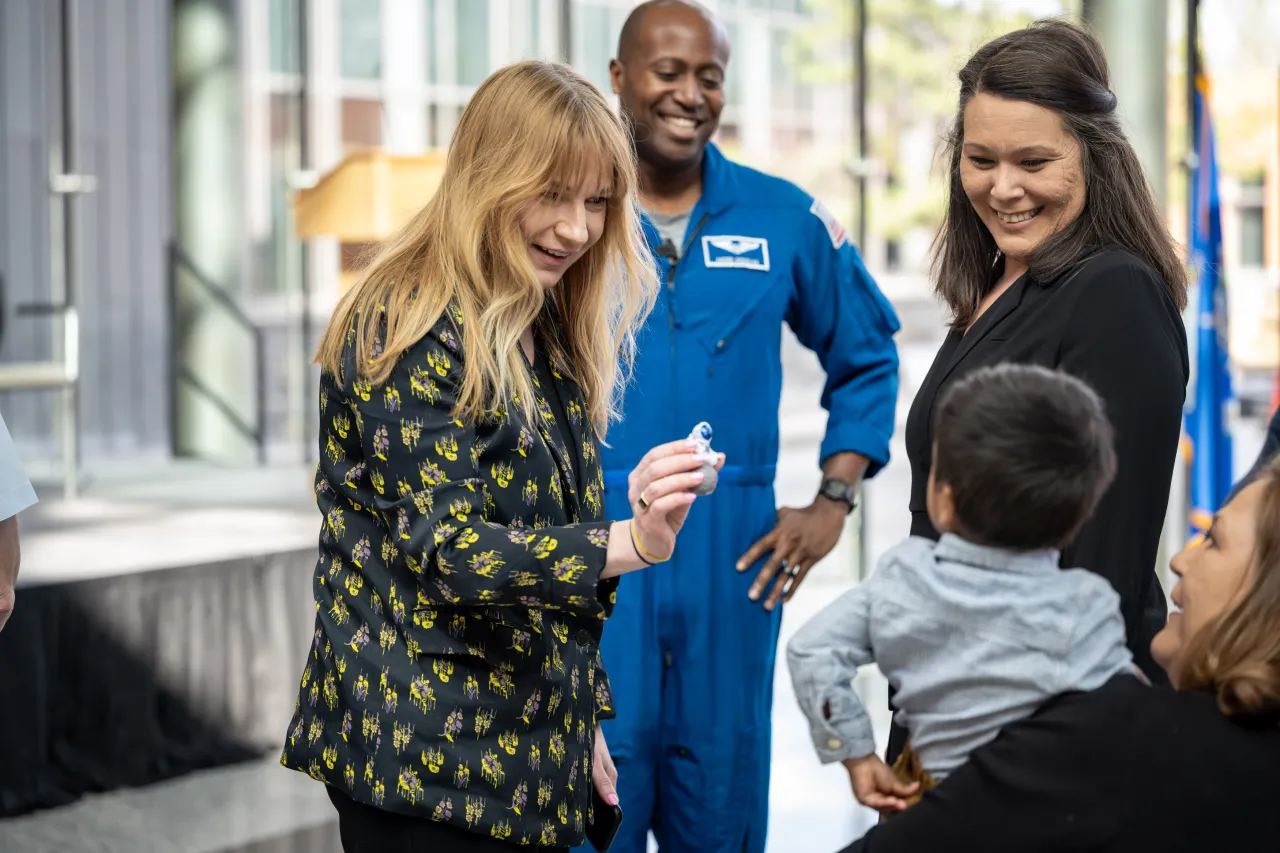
(1274, 403)
(860, 118)
(1193, 71)
(1193, 338)
(1177, 516)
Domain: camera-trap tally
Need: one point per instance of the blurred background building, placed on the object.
(153, 151)
(154, 148)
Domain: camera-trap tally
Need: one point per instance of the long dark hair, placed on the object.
(1062, 67)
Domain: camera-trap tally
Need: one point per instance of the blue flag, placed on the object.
(1206, 420)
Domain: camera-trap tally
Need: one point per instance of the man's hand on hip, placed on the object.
(800, 539)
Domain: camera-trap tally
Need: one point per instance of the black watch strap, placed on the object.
(839, 490)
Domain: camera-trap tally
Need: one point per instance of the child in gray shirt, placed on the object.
(976, 630)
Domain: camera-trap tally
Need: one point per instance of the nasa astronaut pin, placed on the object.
(701, 436)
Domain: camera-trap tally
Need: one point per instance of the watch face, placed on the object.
(836, 490)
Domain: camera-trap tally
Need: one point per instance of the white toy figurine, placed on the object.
(701, 435)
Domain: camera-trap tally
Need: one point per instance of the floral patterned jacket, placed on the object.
(455, 670)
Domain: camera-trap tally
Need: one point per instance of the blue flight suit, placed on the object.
(689, 656)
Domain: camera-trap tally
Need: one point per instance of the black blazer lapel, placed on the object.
(552, 435)
(1005, 305)
(584, 450)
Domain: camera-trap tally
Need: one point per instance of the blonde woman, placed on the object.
(451, 697)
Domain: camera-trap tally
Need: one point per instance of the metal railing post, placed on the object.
(180, 373)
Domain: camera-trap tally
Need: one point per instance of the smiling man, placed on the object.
(691, 645)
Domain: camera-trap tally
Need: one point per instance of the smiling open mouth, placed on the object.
(680, 122)
(1015, 218)
(551, 254)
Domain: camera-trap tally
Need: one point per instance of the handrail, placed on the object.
(180, 372)
(218, 402)
(212, 288)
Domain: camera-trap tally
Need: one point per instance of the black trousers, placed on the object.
(365, 829)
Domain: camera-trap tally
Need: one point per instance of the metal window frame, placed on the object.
(60, 374)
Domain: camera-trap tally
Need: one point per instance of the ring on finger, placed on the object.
(641, 502)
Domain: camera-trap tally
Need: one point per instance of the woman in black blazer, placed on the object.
(1111, 321)
(451, 697)
(1053, 252)
(1128, 767)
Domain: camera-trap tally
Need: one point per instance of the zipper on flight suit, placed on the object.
(672, 263)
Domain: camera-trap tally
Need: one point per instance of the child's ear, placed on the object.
(942, 507)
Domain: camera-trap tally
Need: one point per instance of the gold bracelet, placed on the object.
(641, 551)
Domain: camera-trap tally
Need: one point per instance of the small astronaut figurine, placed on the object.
(701, 435)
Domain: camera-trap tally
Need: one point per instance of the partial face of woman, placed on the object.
(1212, 576)
(1021, 170)
(562, 225)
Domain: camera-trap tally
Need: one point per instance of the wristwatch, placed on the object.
(839, 490)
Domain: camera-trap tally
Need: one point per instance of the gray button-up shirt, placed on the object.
(16, 493)
(971, 638)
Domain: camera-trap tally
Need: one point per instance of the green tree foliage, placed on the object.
(914, 50)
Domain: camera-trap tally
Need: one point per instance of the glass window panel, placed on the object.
(592, 50)
(433, 54)
(443, 119)
(522, 29)
(787, 94)
(535, 27)
(804, 96)
(617, 17)
(361, 124)
(473, 42)
(277, 258)
(733, 82)
(283, 35)
(781, 56)
(1251, 235)
(530, 46)
(360, 34)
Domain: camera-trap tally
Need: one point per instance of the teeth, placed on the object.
(682, 123)
(554, 253)
(1014, 218)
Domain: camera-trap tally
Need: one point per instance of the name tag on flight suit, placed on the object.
(743, 253)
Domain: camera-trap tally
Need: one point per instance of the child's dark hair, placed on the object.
(1028, 453)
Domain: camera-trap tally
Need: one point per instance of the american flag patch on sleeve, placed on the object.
(834, 229)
